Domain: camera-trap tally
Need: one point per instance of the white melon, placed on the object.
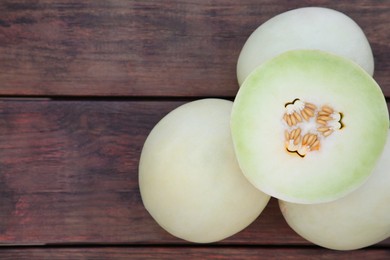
(305, 28)
(308, 126)
(358, 220)
(189, 178)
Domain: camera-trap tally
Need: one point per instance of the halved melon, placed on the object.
(358, 220)
(305, 28)
(189, 178)
(309, 126)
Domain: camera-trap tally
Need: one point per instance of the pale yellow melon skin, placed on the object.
(305, 28)
(189, 178)
(358, 220)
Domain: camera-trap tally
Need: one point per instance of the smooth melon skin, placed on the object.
(305, 28)
(344, 160)
(358, 220)
(189, 178)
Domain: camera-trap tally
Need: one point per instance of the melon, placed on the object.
(189, 178)
(357, 220)
(309, 126)
(305, 28)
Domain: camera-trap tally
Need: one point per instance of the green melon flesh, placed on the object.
(305, 28)
(345, 159)
(189, 178)
(358, 220)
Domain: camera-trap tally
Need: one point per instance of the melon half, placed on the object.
(309, 126)
(189, 178)
(358, 220)
(305, 28)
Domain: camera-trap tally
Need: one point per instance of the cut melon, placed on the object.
(189, 178)
(309, 126)
(305, 28)
(358, 220)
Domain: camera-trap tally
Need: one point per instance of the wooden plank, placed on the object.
(71, 168)
(148, 48)
(190, 253)
(69, 174)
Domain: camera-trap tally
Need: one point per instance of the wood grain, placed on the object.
(148, 48)
(69, 174)
(191, 253)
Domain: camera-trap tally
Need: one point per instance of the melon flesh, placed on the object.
(358, 220)
(344, 160)
(305, 28)
(189, 178)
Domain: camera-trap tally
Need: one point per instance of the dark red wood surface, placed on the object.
(201, 252)
(81, 85)
(148, 48)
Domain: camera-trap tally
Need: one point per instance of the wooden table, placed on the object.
(83, 82)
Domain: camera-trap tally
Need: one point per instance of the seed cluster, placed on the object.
(299, 112)
(328, 121)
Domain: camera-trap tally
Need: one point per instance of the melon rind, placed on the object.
(348, 156)
(358, 220)
(315, 28)
(189, 178)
